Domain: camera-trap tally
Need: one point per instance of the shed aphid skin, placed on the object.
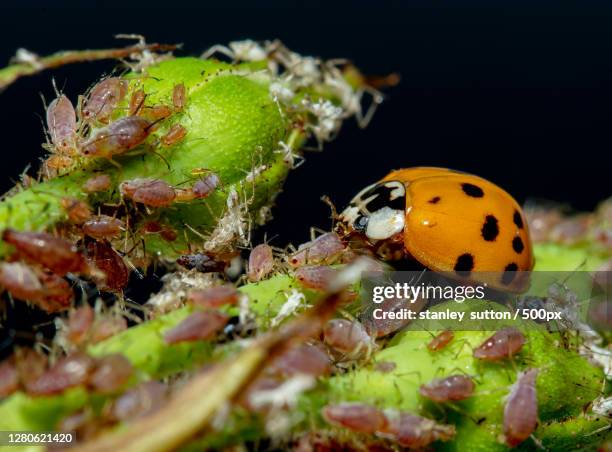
(440, 341)
(502, 345)
(449, 389)
(246, 50)
(521, 410)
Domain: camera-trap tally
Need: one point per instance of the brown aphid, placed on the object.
(107, 260)
(49, 292)
(176, 134)
(502, 345)
(214, 297)
(157, 113)
(202, 262)
(72, 370)
(9, 377)
(521, 410)
(316, 277)
(150, 192)
(103, 99)
(201, 325)
(107, 326)
(112, 372)
(152, 227)
(179, 97)
(357, 417)
(415, 432)
(137, 102)
(349, 338)
(449, 389)
(78, 211)
(325, 249)
(79, 324)
(95, 184)
(306, 359)
(103, 227)
(139, 401)
(118, 137)
(261, 263)
(57, 254)
(168, 234)
(440, 341)
(62, 125)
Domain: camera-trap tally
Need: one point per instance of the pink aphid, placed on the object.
(261, 263)
(95, 184)
(449, 389)
(214, 297)
(62, 125)
(109, 262)
(150, 192)
(9, 377)
(176, 134)
(118, 137)
(303, 359)
(57, 254)
(103, 99)
(112, 372)
(201, 325)
(316, 277)
(415, 432)
(440, 341)
(205, 186)
(70, 371)
(357, 417)
(346, 337)
(79, 323)
(521, 410)
(502, 345)
(139, 401)
(325, 249)
(103, 227)
(107, 326)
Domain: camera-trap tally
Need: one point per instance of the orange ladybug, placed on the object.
(448, 221)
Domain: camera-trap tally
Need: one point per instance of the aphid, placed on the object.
(150, 192)
(246, 50)
(9, 377)
(95, 184)
(72, 370)
(385, 366)
(349, 338)
(118, 137)
(202, 262)
(415, 432)
(112, 372)
(521, 410)
(541, 222)
(79, 323)
(49, 292)
(449, 389)
(179, 97)
(502, 345)
(78, 211)
(302, 359)
(261, 263)
(62, 125)
(570, 230)
(448, 221)
(157, 113)
(107, 326)
(152, 227)
(357, 417)
(168, 234)
(104, 98)
(137, 102)
(440, 341)
(325, 249)
(201, 325)
(205, 186)
(103, 227)
(381, 327)
(139, 401)
(176, 134)
(107, 260)
(214, 297)
(316, 277)
(54, 253)
(30, 365)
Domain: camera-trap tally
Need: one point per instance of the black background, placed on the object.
(519, 95)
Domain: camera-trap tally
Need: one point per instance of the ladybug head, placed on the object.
(378, 211)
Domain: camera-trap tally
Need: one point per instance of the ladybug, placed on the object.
(446, 220)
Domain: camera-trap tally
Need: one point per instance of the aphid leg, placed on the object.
(218, 48)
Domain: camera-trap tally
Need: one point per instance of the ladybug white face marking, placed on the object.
(378, 210)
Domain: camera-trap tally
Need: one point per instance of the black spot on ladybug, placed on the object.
(517, 245)
(464, 264)
(490, 230)
(472, 190)
(382, 198)
(509, 273)
(518, 221)
(360, 223)
(434, 200)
